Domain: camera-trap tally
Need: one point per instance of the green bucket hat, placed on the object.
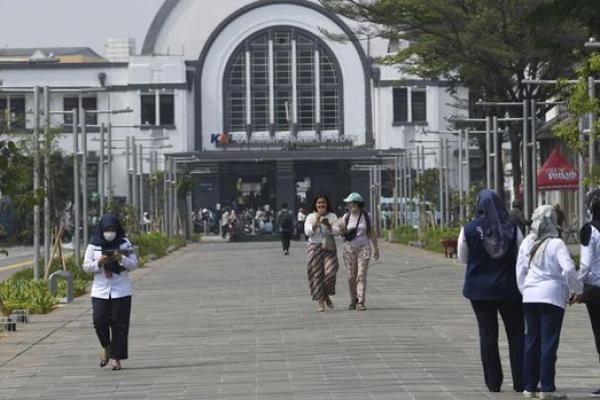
(353, 198)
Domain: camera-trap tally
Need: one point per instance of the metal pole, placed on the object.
(496, 151)
(525, 161)
(128, 168)
(592, 144)
(396, 177)
(36, 182)
(141, 150)
(534, 157)
(190, 226)
(84, 173)
(109, 165)
(461, 214)
(441, 181)
(467, 169)
(165, 219)
(447, 180)
(76, 188)
(488, 153)
(134, 180)
(405, 187)
(101, 169)
(174, 205)
(155, 184)
(47, 148)
(581, 166)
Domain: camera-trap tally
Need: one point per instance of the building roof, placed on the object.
(50, 54)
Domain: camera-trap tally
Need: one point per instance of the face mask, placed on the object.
(109, 236)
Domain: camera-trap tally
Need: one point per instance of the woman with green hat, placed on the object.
(357, 230)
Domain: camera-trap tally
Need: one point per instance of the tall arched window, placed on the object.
(283, 79)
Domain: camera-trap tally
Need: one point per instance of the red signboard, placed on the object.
(557, 174)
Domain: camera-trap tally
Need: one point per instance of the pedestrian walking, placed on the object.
(322, 262)
(357, 230)
(518, 216)
(488, 245)
(300, 219)
(547, 278)
(110, 257)
(589, 271)
(285, 224)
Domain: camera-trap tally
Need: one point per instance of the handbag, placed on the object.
(329, 243)
(351, 233)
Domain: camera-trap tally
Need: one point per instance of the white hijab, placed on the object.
(543, 226)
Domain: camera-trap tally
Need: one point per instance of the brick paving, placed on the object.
(235, 321)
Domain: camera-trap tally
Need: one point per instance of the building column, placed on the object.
(359, 182)
(285, 184)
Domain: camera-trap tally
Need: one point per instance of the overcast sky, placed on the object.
(74, 23)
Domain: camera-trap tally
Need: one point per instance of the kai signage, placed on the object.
(224, 140)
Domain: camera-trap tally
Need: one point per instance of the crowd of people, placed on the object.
(529, 281)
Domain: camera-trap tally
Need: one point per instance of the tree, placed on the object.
(488, 45)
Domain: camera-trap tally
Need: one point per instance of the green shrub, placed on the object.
(430, 238)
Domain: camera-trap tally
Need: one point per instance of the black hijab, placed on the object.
(108, 221)
(593, 204)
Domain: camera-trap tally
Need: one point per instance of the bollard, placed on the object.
(8, 324)
(53, 284)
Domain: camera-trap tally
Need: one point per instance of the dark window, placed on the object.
(282, 110)
(89, 103)
(329, 109)
(3, 121)
(17, 112)
(260, 89)
(400, 105)
(148, 109)
(260, 110)
(167, 109)
(419, 106)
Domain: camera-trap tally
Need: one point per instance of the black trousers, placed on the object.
(593, 308)
(111, 322)
(286, 237)
(487, 320)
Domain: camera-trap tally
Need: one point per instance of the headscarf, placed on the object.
(108, 221)
(543, 226)
(498, 228)
(592, 203)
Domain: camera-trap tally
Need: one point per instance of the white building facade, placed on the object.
(294, 105)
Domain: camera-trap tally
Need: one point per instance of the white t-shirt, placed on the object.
(318, 236)
(116, 286)
(554, 280)
(589, 271)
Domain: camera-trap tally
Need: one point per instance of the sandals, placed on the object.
(328, 302)
(320, 306)
(115, 365)
(361, 307)
(103, 357)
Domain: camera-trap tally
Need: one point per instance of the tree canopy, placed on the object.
(490, 46)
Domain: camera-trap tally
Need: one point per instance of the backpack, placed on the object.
(286, 223)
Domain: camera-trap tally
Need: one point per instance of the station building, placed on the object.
(270, 100)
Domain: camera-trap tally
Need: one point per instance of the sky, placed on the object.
(74, 23)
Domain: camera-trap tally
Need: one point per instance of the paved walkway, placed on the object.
(235, 321)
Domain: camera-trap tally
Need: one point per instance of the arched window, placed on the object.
(283, 79)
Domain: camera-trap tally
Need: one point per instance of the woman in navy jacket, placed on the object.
(488, 245)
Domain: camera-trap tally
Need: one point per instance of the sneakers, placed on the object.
(552, 395)
(529, 395)
(286, 252)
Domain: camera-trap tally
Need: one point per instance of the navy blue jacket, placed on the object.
(487, 278)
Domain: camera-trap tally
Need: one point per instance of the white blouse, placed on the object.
(554, 280)
(318, 236)
(589, 271)
(117, 286)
